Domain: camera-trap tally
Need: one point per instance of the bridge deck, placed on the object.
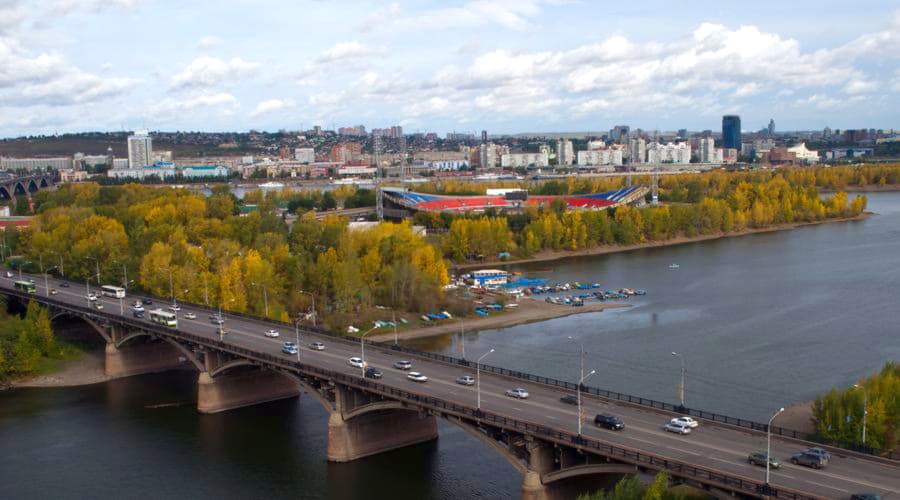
(710, 446)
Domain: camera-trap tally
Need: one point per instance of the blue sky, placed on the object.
(502, 65)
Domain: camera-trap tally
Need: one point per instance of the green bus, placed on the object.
(25, 286)
(164, 318)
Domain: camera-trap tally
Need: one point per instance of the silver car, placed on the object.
(676, 427)
(517, 393)
(466, 380)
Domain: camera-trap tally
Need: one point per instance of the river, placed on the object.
(762, 321)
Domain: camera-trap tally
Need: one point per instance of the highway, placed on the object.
(713, 446)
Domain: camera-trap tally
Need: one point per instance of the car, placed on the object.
(217, 320)
(676, 427)
(63, 284)
(272, 333)
(31, 280)
(147, 301)
(190, 315)
(688, 421)
(417, 377)
(373, 373)
(289, 348)
(356, 362)
(808, 459)
(865, 496)
(91, 297)
(517, 393)
(53, 291)
(759, 458)
(403, 365)
(609, 421)
(98, 305)
(569, 399)
(9, 274)
(819, 451)
(465, 380)
(175, 307)
(317, 346)
(138, 308)
(137, 314)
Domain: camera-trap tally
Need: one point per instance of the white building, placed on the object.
(600, 157)
(592, 145)
(637, 151)
(356, 170)
(446, 164)
(304, 155)
(565, 153)
(669, 152)
(140, 149)
(195, 171)
(804, 155)
(707, 150)
(160, 170)
(35, 163)
(514, 160)
(120, 163)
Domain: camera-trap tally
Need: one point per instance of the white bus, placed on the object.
(113, 291)
(164, 318)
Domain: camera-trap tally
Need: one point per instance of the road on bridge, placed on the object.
(711, 445)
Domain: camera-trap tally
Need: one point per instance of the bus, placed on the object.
(25, 286)
(164, 318)
(113, 291)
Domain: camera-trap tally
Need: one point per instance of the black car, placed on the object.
(610, 422)
(865, 496)
(147, 301)
(64, 285)
(569, 400)
(373, 373)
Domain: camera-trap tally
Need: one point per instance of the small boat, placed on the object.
(674, 266)
(640, 292)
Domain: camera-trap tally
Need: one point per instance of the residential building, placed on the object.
(446, 164)
(729, 155)
(489, 154)
(731, 131)
(195, 171)
(56, 163)
(593, 145)
(600, 157)
(840, 153)
(525, 160)
(304, 155)
(345, 152)
(565, 153)
(72, 175)
(669, 153)
(619, 133)
(120, 163)
(804, 155)
(637, 150)
(707, 150)
(140, 149)
(160, 170)
(357, 131)
(771, 127)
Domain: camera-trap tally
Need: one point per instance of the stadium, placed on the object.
(399, 202)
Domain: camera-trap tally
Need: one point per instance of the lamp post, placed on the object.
(769, 443)
(297, 335)
(97, 263)
(313, 297)
(580, 346)
(680, 387)
(265, 296)
(478, 380)
(221, 319)
(579, 398)
(865, 410)
(362, 346)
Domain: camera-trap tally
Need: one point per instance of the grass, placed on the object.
(67, 351)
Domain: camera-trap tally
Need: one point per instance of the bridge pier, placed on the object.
(139, 359)
(230, 391)
(541, 460)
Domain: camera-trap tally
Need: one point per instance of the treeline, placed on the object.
(631, 488)
(300, 201)
(839, 414)
(745, 205)
(24, 342)
(172, 242)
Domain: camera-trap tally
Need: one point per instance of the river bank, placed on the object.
(552, 255)
(85, 370)
(529, 311)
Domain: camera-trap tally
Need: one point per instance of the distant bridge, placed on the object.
(538, 436)
(12, 186)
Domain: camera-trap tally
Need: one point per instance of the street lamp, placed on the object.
(581, 346)
(97, 262)
(478, 380)
(769, 443)
(265, 296)
(579, 398)
(680, 387)
(313, 297)
(47, 280)
(362, 345)
(865, 411)
(221, 319)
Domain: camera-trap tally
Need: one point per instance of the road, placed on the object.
(713, 446)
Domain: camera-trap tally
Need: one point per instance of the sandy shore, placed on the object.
(88, 369)
(558, 255)
(529, 311)
(797, 417)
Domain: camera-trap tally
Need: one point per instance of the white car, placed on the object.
(9, 274)
(517, 393)
(190, 315)
(175, 307)
(137, 308)
(272, 334)
(677, 428)
(357, 362)
(417, 377)
(91, 297)
(317, 346)
(687, 421)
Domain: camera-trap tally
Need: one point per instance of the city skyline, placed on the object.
(508, 67)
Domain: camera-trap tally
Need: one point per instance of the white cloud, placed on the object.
(861, 86)
(11, 15)
(76, 88)
(748, 89)
(344, 51)
(208, 42)
(270, 105)
(825, 103)
(171, 107)
(208, 71)
(512, 14)
(69, 6)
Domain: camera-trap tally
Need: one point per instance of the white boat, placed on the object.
(674, 266)
(271, 185)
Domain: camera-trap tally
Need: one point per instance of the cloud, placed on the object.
(12, 13)
(825, 103)
(511, 14)
(748, 89)
(208, 71)
(70, 6)
(345, 51)
(171, 107)
(270, 105)
(76, 88)
(209, 42)
(861, 87)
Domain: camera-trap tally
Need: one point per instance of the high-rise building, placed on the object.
(731, 132)
(637, 150)
(771, 128)
(483, 136)
(682, 133)
(565, 153)
(140, 149)
(305, 155)
(619, 133)
(707, 150)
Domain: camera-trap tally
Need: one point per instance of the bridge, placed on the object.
(538, 436)
(12, 186)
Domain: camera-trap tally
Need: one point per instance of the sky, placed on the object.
(506, 66)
